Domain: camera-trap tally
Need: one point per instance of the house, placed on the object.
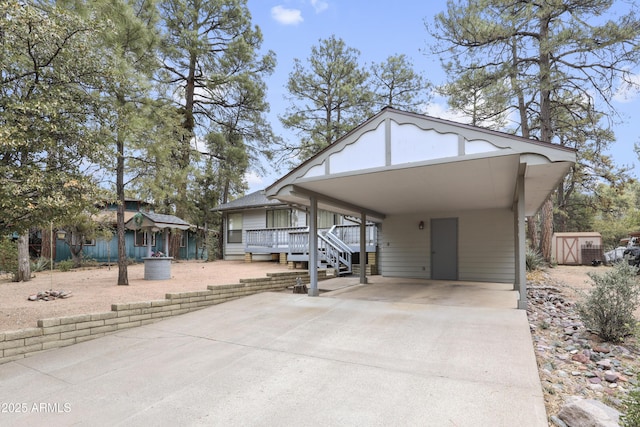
(450, 200)
(136, 241)
(259, 229)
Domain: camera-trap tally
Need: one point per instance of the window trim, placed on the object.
(270, 217)
(144, 239)
(234, 235)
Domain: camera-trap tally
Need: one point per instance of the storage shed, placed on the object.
(577, 248)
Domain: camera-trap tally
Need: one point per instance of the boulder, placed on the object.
(580, 412)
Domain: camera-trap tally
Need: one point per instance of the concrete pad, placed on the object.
(354, 358)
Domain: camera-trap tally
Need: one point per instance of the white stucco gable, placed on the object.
(423, 163)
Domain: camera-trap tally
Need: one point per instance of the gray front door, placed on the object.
(444, 249)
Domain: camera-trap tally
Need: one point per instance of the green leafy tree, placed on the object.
(328, 95)
(9, 257)
(479, 96)
(544, 51)
(213, 70)
(616, 211)
(51, 70)
(130, 120)
(577, 214)
(78, 229)
(397, 85)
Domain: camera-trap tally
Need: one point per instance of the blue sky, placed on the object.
(377, 29)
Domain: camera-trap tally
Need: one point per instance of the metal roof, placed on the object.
(257, 199)
(156, 221)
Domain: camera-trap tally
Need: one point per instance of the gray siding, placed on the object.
(485, 245)
(254, 219)
(404, 249)
(251, 219)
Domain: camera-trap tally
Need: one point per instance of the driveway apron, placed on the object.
(420, 353)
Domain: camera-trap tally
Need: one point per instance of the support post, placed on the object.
(363, 248)
(313, 247)
(149, 238)
(166, 242)
(521, 246)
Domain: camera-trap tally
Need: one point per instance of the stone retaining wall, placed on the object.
(63, 331)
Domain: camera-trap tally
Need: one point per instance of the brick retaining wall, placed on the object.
(63, 331)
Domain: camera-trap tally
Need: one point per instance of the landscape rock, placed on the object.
(580, 357)
(573, 361)
(580, 412)
(49, 295)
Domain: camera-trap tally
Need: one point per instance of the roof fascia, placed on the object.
(303, 193)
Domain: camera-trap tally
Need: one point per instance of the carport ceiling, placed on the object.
(474, 184)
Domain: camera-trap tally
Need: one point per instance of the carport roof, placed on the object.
(398, 162)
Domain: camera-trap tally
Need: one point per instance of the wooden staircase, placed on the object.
(332, 252)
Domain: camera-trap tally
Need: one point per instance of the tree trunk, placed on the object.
(174, 245)
(45, 249)
(532, 231)
(546, 230)
(76, 255)
(123, 277)
(24, 267)
(546, 130)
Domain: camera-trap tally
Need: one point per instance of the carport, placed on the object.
(450, 199)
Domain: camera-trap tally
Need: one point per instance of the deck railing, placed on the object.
(276, 238)
(296, 239)
(350, 234)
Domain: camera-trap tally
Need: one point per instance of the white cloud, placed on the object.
(254, 181)
(319, 5)
(286, 16)
(628, 91)
(442, 111)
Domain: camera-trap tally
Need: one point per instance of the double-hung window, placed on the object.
(279, 218)
(234, 228)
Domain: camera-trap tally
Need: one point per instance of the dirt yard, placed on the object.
(575, 277)
(94, 290)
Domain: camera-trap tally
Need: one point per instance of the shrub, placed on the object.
(9, 257)
(65, 265)
(534, 260)
(39, 264)
(631, 416)
(608, 309)
(89, 262)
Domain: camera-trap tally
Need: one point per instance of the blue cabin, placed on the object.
(136, 241)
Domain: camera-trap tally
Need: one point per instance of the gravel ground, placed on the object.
(95, 289)
(573, 361)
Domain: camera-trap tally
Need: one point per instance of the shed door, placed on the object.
(444, 249)
(570, 251)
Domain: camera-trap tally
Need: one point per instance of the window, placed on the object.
(234, 228)
(142, 236)
(279, 218)
(326, 219)
(183, 239)
(89, 242)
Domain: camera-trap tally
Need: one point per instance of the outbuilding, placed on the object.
(450, 200)
(577, 248)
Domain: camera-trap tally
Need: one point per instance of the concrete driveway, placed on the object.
(370, 355)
